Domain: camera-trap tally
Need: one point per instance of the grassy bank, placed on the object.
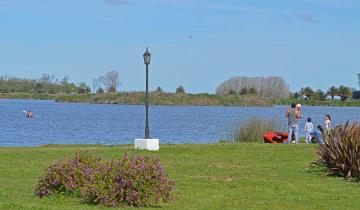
(168, 99)
(155, 98)
(218, 176)
(28, 96)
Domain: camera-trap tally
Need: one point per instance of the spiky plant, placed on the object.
(340, 154)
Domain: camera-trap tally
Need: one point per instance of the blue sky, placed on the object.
(308, 42)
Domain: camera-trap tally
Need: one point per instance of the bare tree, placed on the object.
(111, 81)
(267, 87)
(95, 84)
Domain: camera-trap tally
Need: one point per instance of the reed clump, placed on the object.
(253, 130)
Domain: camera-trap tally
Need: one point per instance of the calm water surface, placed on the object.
(65, 123)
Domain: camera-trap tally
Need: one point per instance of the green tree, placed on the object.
(307, 92)
(70, 88)
(243, 91)
(180, 89)
(100, 90)
(40, 88)
(159, 89)
(344, 92)
(232, 92)
(296, 95)
(83, 88)
(333, 91)
(46, 80)
(320, 95)
(356, 95)
(67, 87)
(252, 91)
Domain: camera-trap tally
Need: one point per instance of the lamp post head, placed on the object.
(147, 57)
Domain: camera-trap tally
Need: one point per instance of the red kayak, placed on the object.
(275, 137)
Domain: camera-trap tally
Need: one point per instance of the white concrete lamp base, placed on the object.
(147, 144)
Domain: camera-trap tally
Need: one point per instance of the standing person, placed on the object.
(327, 127)
(293, 116)
(327, 123)
(309, 128)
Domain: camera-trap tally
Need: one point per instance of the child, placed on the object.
(327, 123)
(298, 111)
(319, 134)
(309, 128)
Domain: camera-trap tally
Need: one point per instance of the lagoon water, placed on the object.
(67, 123)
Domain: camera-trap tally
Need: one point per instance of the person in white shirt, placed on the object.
(309, 128)
(327, 123)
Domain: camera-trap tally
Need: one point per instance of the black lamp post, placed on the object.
(147, 57)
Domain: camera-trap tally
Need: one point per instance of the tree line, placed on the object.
(343, 92)
(50, 84)
(46, 84)
(266, 87)
(275, 87)
(271, 87)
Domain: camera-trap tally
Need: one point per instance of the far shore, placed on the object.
(176, 99)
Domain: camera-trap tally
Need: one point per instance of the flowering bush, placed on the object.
(67, 175)
(138, 181)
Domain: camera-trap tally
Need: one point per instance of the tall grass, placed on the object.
(254, 129)
(23, 95)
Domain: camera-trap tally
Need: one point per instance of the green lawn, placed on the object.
(218, 176)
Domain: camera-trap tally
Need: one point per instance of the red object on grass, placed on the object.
(275, 137)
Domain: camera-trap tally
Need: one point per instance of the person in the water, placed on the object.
(29, 114)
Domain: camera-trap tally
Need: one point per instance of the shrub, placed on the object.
(159, 90)
(67, 175)
(252, 91)
(138, 181)
(100, 90)
(340, 153)
(254, 129)
(232, 92)
(180, 90)
(356, 95)
(243, 91)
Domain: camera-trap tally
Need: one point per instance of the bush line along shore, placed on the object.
(183, 99)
